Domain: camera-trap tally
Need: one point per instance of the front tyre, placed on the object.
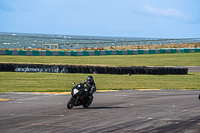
(70, 103)
(88, 103)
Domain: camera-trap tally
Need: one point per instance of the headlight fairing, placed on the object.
(75, 91)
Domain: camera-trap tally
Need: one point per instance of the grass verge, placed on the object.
(176, 59)
(58, 82)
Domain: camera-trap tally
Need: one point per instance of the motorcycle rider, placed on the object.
(91, 88)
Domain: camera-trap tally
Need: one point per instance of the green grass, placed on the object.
(41, 82)
(49, 82)
(176, 59)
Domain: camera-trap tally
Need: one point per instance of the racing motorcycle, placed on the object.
(79, 97)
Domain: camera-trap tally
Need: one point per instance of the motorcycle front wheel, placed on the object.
(70, 103)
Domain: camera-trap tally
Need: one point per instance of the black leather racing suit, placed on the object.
(91, 88)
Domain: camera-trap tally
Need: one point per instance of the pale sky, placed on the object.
(115, 18)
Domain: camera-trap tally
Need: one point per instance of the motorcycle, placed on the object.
(79, 97)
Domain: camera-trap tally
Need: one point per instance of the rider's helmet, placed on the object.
(90, 79)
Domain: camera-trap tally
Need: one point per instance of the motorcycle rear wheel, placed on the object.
(86, 105)
(70, 103)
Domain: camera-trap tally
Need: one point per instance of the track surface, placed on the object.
(194, 69)
(121, 111)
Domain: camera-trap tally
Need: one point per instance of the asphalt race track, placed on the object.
(149, 111)
(194, 69)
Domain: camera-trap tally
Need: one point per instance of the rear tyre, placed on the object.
(70, 103)
(86, 105)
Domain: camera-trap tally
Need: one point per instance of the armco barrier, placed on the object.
(102, 52)
(91, 69)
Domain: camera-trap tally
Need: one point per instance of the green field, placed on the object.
(178, 59)
(47, 82)
(35, 82)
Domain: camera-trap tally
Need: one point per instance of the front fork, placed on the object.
(76, 100)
